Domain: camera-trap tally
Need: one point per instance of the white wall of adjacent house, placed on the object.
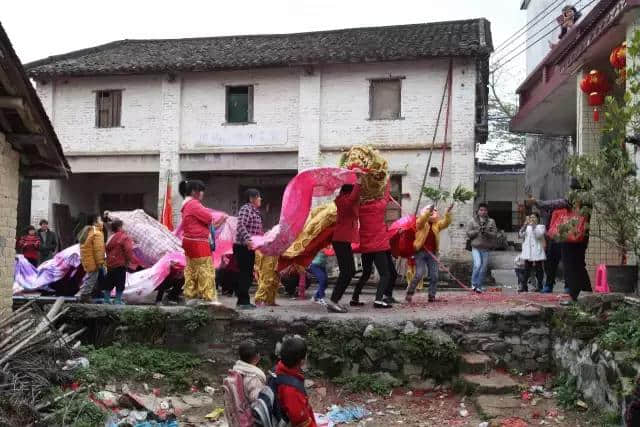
(542, 28)
(9, 165)
(301, 118)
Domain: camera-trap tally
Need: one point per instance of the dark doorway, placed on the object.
(502, 213)
(121, 202)
(24, 206)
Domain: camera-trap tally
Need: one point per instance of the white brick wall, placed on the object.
(9, 165)
(305, 111)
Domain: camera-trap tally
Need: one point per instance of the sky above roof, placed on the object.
(40, 28)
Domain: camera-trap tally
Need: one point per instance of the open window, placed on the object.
(239, 104)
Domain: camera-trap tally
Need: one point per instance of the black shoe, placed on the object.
(381, 304)
(245, 307)
(523, 290)
(390, 300)
(355, 303)
(431, 299)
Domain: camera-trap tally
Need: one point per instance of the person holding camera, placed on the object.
(533, 251)
(483, 234)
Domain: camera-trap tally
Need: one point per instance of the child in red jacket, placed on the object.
(293, 402)
(29, 244)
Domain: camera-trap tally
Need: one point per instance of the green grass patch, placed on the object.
(77, 411)
(136, 362)
(361, 383)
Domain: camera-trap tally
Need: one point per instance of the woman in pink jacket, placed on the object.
(199, 275)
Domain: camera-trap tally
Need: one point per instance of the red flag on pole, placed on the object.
(167, 209)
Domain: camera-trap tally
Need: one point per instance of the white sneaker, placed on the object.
(319, 301)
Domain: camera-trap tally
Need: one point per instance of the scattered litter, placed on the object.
(514, 422)
(209, 390)
(215, 414)
(483, 424)
(409, 393)
(526, 396)
(158, 376)
(370, 401)
(73, 364)
(339, 414)
(464, 413)
(309, 383)
(107, 398)
(111, 388)
(582, 404)
(537, 389)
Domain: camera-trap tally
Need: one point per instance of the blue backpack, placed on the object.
(266, 409)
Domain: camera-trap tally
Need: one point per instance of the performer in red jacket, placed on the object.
(374, 244)
(199, 274)
(345, 233)
(29, 244)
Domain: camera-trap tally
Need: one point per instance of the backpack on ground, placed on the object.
(266, 409)
(237, 409)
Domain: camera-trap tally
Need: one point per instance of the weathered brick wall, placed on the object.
(9, 177)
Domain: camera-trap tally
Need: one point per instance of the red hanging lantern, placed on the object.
(618, 57)
(595, 85)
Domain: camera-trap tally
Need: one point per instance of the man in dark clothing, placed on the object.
(48, 241)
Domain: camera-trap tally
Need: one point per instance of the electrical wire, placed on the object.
(528, 25)
(497, 61)
(502, 64)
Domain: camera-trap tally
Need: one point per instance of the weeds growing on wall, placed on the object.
(622, 331)
(335, 349)
(566, 389)
(378, 384)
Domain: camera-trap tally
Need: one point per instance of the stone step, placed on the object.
(491, 383)
(475, 363)
(494, 405)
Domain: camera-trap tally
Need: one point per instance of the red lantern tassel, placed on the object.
(596, 115)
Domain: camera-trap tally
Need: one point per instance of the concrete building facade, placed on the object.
(552, 107)
(176, 120)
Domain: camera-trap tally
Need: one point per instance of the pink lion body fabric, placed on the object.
(296, 205)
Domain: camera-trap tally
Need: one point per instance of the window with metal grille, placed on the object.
(239, 106)
(384, 99)
(108, 108)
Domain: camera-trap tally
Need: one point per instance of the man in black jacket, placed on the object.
(49, 243)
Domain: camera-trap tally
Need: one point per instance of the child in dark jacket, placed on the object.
(29, 244)
(294, 403)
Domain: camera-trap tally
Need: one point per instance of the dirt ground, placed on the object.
(452, 305)
(431, 408)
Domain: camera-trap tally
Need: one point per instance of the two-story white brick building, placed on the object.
(253, 110)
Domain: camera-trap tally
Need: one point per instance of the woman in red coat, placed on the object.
(345, 233)
(29, 244)
(119, 258)
(374, 244)
(199, 275)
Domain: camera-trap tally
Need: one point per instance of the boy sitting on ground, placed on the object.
(293, 402)
(254, 380)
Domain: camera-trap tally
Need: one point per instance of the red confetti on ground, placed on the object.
(526, 396)
(489, 298)
(514, 422)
